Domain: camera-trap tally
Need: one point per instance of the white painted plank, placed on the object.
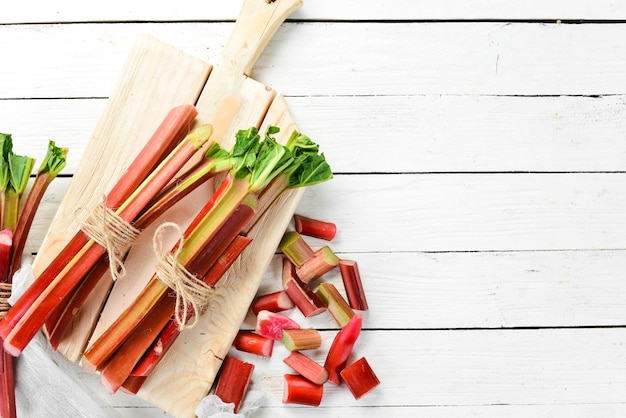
(474, 368)
(326, 59)
(479, 290)
(143, 10)
(478, 370)
(439, 411)
(397, 133)
(456, 212)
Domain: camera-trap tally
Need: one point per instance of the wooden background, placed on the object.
(480, 155)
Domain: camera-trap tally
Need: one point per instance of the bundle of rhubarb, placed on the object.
(253, 174)
(304, 289)
(18, 207)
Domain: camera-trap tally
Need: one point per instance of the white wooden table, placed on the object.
(480, 156)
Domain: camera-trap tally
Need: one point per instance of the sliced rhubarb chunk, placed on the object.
(359, 378)
(299, 390)
(271, 324)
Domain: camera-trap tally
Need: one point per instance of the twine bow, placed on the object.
(108, 229)
(192, 294)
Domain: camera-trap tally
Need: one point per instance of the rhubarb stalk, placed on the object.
(255, 164)
(233, 381)
(170, 132)
(65, 283)
(360, 378)
(299, 390)
(341, 347)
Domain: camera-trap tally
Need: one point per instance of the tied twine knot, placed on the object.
(192, 294)
(5, 294)
(108, 229)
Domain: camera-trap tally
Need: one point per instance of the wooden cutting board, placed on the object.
(156, 78)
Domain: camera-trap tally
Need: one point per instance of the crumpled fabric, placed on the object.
(46, 383)
(213, 407)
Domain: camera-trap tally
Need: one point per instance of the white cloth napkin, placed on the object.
(46, 383)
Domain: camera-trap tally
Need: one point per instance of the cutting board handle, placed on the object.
(258, 21)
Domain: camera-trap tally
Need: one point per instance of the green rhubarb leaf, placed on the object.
(300, 144)
(20, 168)
(272, 159)
(245, 151)
(54, 161)
(6, 146)
(313, 170)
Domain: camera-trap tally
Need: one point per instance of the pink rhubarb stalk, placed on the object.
(299, 292)
(274, 302)
(306, 367)
(352, 283)
(322, 261)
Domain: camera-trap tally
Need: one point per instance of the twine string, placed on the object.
(192, 294)
(108, 229)
(5, 294)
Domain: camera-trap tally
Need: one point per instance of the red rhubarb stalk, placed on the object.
(53, 163)
(6, 245)
(274, 302)
(7, 380)
(352, 283)
(190, 257)
(299, 292)
(171, 131)
(64, 315)
(233, 381)
(119, 366)
(253, 343)
(314, 227)
(307, 367)
(299, 390)
(360, 378)
(341, 348)
(170, 332)
(64, 284)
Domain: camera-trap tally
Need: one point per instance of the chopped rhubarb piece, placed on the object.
(295, 248)
(271, 324)
(341, 348)
(314, 227)
(352, 283)
(233, 381)
(335, 303)
(322, 261)
(308, 368)
(302, 339)
(251, 342)
(274, 302)
(299, 292)
(359, 377)
(299, 390)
